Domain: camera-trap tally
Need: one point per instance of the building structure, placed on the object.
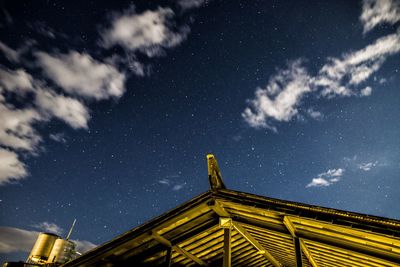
(222, 227)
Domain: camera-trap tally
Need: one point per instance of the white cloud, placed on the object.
(80, 74)
(16, 240)
(15, 81)
(376, 12)
(81, 78)
(20, 240)
(327, 178)
(367, 166)
(11, 168)
(64, 108)
(333, 173)
(367, 91)
(318, 182)
(16, 128)
(49, 228)
(17, 125)
(281, 97)
(147, 32)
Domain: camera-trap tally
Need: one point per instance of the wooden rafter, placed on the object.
(177, 248)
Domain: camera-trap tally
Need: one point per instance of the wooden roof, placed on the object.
(228, 228)
(325, 237)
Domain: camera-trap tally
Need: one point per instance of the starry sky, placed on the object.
(108, 109)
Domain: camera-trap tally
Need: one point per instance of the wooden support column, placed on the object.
(227, 247)
(297, 250)
(168, 257)
(296, 241)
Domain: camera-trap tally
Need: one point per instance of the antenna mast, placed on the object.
(70, 230)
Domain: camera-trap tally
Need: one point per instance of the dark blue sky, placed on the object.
(324, 128)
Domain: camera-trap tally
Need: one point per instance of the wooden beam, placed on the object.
(255, 244)
(177, 248)
(168, 257)
(218, 209)
(227, 247)
(289, 226)
(307, 253)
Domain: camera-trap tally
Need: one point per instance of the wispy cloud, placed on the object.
(315, 114)
(377, 12)
(340, 76)
(367, 166)
(58, 137)
(327, 178)
(49, 228)
(21, 240)
(189, 4)
(178, 187)
(9, 53)
(164, 181)
(281, 99)
(173, 185)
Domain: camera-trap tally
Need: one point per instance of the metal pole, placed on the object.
(70, 230)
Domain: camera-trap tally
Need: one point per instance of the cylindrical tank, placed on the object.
(42, 248)
(63, 251)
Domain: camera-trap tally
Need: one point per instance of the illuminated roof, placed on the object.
(228, 228)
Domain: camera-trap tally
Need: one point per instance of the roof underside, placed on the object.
(258, 231)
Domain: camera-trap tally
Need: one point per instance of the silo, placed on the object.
(63, 251)
(42, 248)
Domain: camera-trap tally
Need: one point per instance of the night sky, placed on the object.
(108, 109)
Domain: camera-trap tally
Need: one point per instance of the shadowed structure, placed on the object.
(223, 227)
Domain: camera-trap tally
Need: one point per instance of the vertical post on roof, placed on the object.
(168, 257)
(214, 174)
(227, 247)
